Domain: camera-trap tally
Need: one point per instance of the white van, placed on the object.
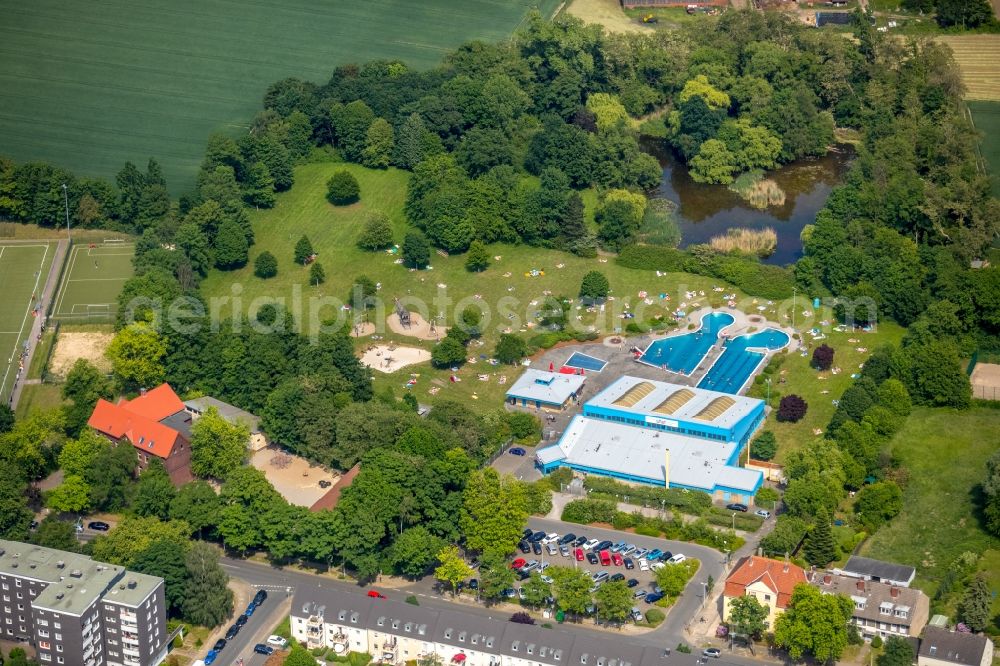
(677, 559)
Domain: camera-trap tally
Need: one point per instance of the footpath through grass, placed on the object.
(89, 85)
(945, 452)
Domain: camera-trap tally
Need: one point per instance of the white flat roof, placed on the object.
(687, 411)
(549, 387)
(640, 452)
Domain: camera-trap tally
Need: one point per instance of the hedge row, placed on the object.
(552, 338)
(753, 277)
(686, 501)
(588, 511)
(744, 521)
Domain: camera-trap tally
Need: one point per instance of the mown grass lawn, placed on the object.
(334, 230)
(945, 452)
(820, 389)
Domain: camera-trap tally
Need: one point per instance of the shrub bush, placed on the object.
(822, 358)
(692, 502)
(342, 188)
(265, 265)
(792, 408)
(654, 616)
(589, 511)
(764, 446)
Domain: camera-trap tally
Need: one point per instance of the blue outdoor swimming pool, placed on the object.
(683, 353)
(731, 370)
(585, 361)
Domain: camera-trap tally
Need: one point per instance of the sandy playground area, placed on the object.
(362, 329)
(71, 345)
(418, 328)
(295, 478)
(986, 381)
(387, 358)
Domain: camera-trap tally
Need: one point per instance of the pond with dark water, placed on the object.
(703, 211)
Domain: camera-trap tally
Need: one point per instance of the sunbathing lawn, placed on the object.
(945, 451)
(820, 389)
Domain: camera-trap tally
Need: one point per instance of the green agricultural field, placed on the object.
(986, 115)
(95, 273)
(945, 452)
(24, 268)
(89, 85)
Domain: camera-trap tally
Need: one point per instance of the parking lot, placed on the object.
(603, 559)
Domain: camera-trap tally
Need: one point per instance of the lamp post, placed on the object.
(734, 521)
(66, 203)
(793, 308)
(768, 382)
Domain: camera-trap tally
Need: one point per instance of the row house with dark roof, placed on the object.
(394, 632)
(880, 609)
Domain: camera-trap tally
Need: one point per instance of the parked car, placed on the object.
(260, 597)
(564, 550)
(530, 566)
(543, 566)
(590, 544)
(527, 532)
(232, 631)
(210, 657)
(600, 576)
(509, 593)
(251, 607)
(524, 546)
(277, 641)
(639, 553)
(98, 525)
(517, 451)
(636, 614)
(518, 563)
(567, 538)
(643, 565)
(628, 549)
(736, 506)
(551, 537)
(473, 583)
(266, 650)
(640, 593)
(616, 558)
(652, 555)
(592, 558)
(536, 548)
(632, 582)
(537, 536)
(653, 597)
(677, 559)
(618, 547)
(605, 558)
(656, 566)
(617, 577)
(578, 554)
(629, 564)
(711, 652)
(219, 645)
(242, 620)
(604, 545)
(546, 579)
(580, 540)
(763, 513)
(552, 549)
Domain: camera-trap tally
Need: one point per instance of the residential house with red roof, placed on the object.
(155, 423)
(770, 581)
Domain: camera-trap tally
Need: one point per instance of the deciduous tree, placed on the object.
(613, 601)
(493, 512)
(207, 600)
(572, 589)
(136, 354)
(814, 623)
(154, 492)
(452, 568)
(265, 265)
(342, 188)
(217, 446)
(377, 234)
(478, 258)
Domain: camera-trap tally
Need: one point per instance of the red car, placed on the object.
(375, 594)
(617, 559)
(605, 557)
(518, 563)
(578, 554)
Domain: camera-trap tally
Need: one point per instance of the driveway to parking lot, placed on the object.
(688, 608)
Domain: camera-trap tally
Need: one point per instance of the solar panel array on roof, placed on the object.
(715, 409)
(677, 400)
(634, 394)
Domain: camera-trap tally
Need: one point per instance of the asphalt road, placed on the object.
(257, 628)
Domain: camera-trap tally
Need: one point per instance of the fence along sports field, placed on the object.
(95, 273)
(23, 270)
(89, 85)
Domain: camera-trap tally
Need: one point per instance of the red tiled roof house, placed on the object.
(770, 581)
(155, 423)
